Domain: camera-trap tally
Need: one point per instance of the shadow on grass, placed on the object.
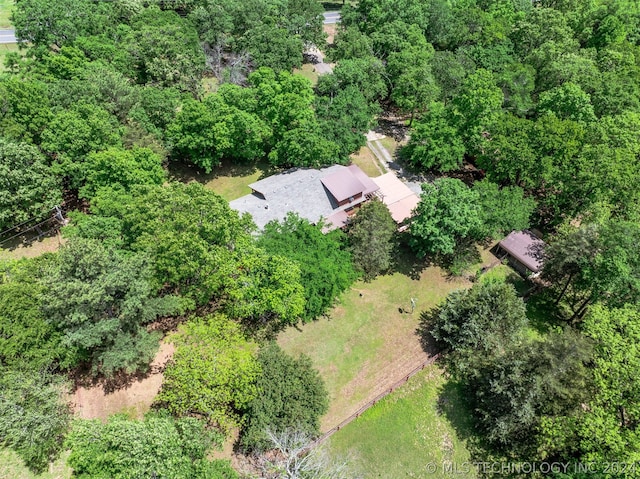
(185, 173)
(407, 263)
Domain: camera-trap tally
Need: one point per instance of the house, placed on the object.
(524, 251)
(331, 193)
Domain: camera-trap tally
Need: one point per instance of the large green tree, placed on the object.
(34, 415)
(476, 324)
(326, 268)
(30, 189)
(446, 214)
(101, 299)
(371, 235)
(158, 446)
(291, 396)
(213, 372)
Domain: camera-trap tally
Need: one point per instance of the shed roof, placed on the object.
(526, 248)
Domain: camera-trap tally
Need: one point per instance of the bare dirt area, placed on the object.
(101, 400)
(330, 30)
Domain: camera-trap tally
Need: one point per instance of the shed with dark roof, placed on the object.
(524, 250)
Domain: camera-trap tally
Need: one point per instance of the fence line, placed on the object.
(375, 400)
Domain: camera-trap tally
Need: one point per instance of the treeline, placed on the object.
(540, 95)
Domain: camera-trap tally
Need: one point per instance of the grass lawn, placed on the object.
(229, 181)
(6, 6)
(390, 144)
(12, 467)
(408, 433)
(367, 162)
(308, 71)
(4, 49)
(369, 341)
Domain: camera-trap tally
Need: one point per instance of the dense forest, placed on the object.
(519, 114)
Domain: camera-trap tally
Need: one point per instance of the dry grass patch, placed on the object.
(4, 49)
(48, 244)
(367, 162)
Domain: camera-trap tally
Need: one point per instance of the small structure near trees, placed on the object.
(524, 251)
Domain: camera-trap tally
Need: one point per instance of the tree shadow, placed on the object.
(185, 173)
(407, 263)
(83, 376)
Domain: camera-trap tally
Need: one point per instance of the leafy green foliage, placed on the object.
(326, 268)
(502, 210)
(447, 212)
(477, 324)
(27, 339)
(100, 299)
(291, 396)
(608, 427)
(371, 236)
(213, 372)
(33, 416)
(435, 143)
(156, 446)
(595, 263)
(119, 168)
(535, 380)
(29, 187)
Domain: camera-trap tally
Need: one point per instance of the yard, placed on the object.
(6, 6)
(4, 49)
(410, 433)
(367, 162)
(369, 341)
(229, 181)
(12, 467)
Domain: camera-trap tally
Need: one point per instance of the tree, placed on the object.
(27, 339)
(29, 188)
(53, 22)
(371, 236)
(435, 143)
(609, 428)
(25, 109)
(325, 264)
(158, 446)
(292, 395)
(33, 416)
(475, 325)
(205, 132)
(101, 299)
(447, 213)
(118, 168)
(476, 104)
(273, 47)
(502, 210)
(166, 49)
(543, 379)
(297, 457)
(344, 118)
(213, 372)
(568, 102)
(594, 263)
(304, 145)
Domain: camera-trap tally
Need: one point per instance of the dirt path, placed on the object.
(135, 399)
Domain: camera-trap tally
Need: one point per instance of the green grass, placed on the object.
(408, 431)
(369, 339)
(12, 467)
(6, 6)
(308, 71)
(390, 144)
(4, 49)
(229, 181)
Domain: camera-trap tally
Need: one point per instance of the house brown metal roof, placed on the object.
(526, 248)
(343, 184)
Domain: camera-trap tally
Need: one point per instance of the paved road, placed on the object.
(331, 17)
(8, 36)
